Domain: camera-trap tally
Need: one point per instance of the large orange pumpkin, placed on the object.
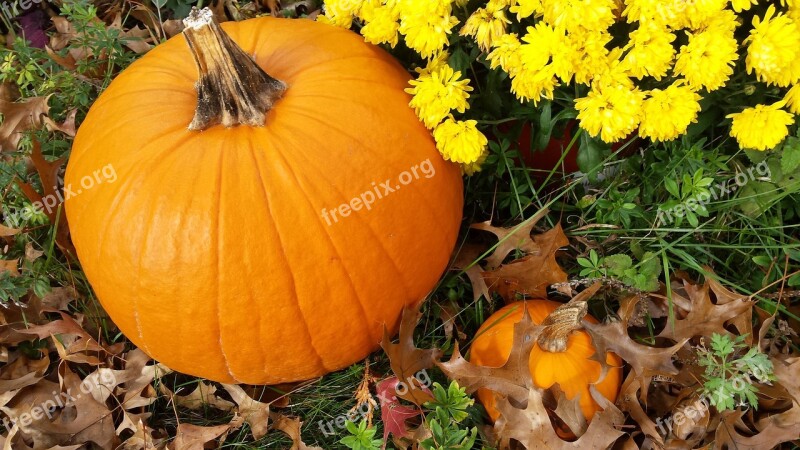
(571, 369)
(227, 253)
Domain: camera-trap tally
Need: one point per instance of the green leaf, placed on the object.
(672, 187)
(790, 158)
(591, 154)
(545, 128)
(618, 263)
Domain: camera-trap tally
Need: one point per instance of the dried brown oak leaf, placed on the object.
(511, 239)
(628, 401)
(205, 394)
(67, 126)
(19, 117)
(255, 413)
(48, 174)
(466, 260)
(731, 432)
(139, 376)
(291, 427)
(613, 337)
(406, 360)
(701, 316)
(531, 427)
(143, 438)
(70, 416)
(194, 437)
(513, 379)
(531, 275)
(569, 411)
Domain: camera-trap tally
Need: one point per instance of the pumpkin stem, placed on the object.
(560, 324)
(232, 89)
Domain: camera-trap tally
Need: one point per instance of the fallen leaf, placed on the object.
(511, 239)
(700, 316)
(531, 275)
(59, 298)
(512, 379)
(628, 401)
(531, 427)
(19, 117)
(143, 438)
(6, 231)
(406, 360)
(255, 413)
(613, 337)
(393, 413)
(10, 266)
(203, 395)
(291, 427)
(194, 437)
(137, 379)
(569, 411)
(466, 260)
(448, 314)
(67, 126)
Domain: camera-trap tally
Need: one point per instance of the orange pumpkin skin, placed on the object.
(210, 250)
(571, 369)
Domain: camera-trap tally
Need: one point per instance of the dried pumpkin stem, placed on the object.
(232, 89)
(560, 324)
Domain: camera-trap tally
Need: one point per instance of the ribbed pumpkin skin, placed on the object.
(210, 252)
(571, 369)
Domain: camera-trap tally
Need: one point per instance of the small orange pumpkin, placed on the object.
(273, 238)
(571, 369)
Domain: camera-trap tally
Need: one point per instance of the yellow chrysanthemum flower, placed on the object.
(486, 25)
(423, 7)
(742, 5)
(762, 127)
(380, 22)
(473, 168)
(506, 54)
(612, 112)
(698, 12)
(427, 33)
(460, 141)
(437, 93)
(533, 85)
(662, 12)
(793, 99)
(611, 71)
(649, 51)
(526, 8)
(340, 12)
(666, 114)
(794, 11)
(591, 53)
(528, 84)
(774, 49)
(545, 45)
(724, 21)
(433, 64)
(589, 14)
(707, 60)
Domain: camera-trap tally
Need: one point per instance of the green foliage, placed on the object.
(730, 376)
(361, 437)
(643, 276)
(448, 410)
